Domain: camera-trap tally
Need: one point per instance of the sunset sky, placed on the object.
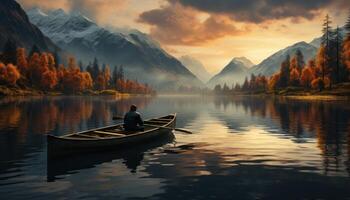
(212, 31)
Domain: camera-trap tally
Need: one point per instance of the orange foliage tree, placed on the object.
(22, 63)
(9, 74)
(307, 76)
(273, 81)
(346, 55)
(294, 77)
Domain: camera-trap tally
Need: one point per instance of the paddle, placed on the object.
(155, 126)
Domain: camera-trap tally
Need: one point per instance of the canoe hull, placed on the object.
(58, 146)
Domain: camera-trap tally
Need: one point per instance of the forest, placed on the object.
(42, 71)
(329, 69)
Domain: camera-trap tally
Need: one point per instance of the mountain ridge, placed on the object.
(234, 72)
(143, 58)
(15, 26)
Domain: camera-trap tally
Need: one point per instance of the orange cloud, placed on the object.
(175, 24)
(46, 5)
(99, 10)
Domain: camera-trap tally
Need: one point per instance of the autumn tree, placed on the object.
(22, 63)
(34, 65)
(106, 75)
(307, 76)
(346, 56)
(273, 81)
(9, 74)
(321, 61)
(294, 77)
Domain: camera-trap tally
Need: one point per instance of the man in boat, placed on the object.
(133, 120)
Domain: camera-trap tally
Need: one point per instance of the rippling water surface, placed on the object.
(241, 148)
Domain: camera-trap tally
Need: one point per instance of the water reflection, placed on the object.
(252, 147)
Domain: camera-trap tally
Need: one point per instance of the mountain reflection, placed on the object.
(326, 121)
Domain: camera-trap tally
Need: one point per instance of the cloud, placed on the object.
(176, 25)
(99, 10)
(46, 5)
(259, 11)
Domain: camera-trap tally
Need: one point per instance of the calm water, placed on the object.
(242, 148)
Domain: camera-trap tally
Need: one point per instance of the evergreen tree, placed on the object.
(80, 64)
(57, 58)
(300, 60)
(10, 52)
(338, 40)
(35, 49)
(225, 89)
(285, 72)
(121, 72)
(217, 89)
(245, 84)
(347, 26)
(114, 76)
(95, 69)
(326, 30)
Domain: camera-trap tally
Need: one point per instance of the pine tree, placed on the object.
(80, 64)
(10, 52)
(338, 40)
(95, 69)
(300, 60)
(57, 58)
(114, 76)
(285, 72)
(121, 72)
(326, 30)
(35, 49)
(347, 26)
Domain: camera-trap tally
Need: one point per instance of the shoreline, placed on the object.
(29, 92)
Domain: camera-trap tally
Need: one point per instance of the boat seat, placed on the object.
(109, 133)
(83, 136)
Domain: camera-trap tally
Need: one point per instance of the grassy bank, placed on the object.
(16, 91)
(338, 90)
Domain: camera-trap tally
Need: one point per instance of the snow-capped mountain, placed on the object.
(143, 58)
(196, 67)
(272, 64)
(15, 25)
(234, 72)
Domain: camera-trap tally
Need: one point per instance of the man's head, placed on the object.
(133, 108)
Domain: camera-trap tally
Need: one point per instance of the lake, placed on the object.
(241, 148)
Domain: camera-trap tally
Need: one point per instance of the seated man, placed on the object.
(133, 120)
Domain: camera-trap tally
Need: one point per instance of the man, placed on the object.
(133, 120)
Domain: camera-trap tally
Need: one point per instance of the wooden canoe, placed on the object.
(132, 158)
(107, 137)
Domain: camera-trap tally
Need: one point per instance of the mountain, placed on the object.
(272, 64)
(196, 67)
(234, 72)
(15, 25)
(143, 58)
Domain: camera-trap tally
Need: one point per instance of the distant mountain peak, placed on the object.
(246, 62)
(234, 72)
(196, 67)
(59, 11)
